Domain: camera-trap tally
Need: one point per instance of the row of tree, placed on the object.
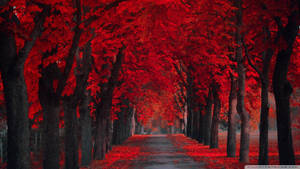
(260, 40)
(100, 61)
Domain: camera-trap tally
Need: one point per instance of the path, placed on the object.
(160, 153)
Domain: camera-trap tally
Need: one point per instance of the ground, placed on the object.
(178, 151)
(147, 152)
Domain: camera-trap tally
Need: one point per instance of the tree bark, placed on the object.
(241, 70)
(208, 118)
(232, 121)
(190, 104)
(86, 130)
(283, 89)
(264, 115)
(245, 117)
(99, 148)
(200, 125)
(71, 141)
(81, 96)
(138, 126)
(103, 112)
(194, 124)
(15, 94)
(51, 108)
(215, 120)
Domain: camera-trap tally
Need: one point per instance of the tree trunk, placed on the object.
(200, 125)
(195, 124)
(264, 115)
(118, 130)
(15, 94)
(189, 116)
(282, 91)
(138, 127)
(51, 108)
(208, 118)
(110, 130)
(51, 137)
(215, 120)
(264, 126)
(104, 128)
(81, 96)
(190, 110)
(232, 121)
(71, 141)
(99, 148)
(86, 130)
(245, 117)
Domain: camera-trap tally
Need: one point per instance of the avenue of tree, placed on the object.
(92, 67)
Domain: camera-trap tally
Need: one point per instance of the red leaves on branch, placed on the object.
(156, 34)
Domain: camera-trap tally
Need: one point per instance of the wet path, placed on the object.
(161, 154)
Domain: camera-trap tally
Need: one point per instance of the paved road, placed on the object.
(161, 154)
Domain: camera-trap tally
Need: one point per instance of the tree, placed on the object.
(283, 89)
(15, 92)
(232, 119)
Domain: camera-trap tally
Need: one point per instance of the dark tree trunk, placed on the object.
(71, 140)
(51, 108)
(16, 104)
(283, 89)
(245, 117)
(200, 125)
(215, 120)
(190, 104)
(70, 104)
(264, 126)
(189, 116)
(109, 132)
(119, 128)
(99, 147)
(264, 115)
(17, 118)
(232, 121)
(194, 124)
(84, 100)
(122, 125)
(86, 130)
(104, 128)
(241, 70)
(208, 118)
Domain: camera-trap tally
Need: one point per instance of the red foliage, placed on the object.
(217, 158)
(122, 156)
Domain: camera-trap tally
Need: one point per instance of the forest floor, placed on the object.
(147, 152)
(178, 151)
(216, 158)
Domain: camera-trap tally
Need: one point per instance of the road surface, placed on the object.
(159, 153)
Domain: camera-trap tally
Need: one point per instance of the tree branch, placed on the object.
(181, 75)
(249, 60)
(93, 18)
(37, 30)
(72, 51)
